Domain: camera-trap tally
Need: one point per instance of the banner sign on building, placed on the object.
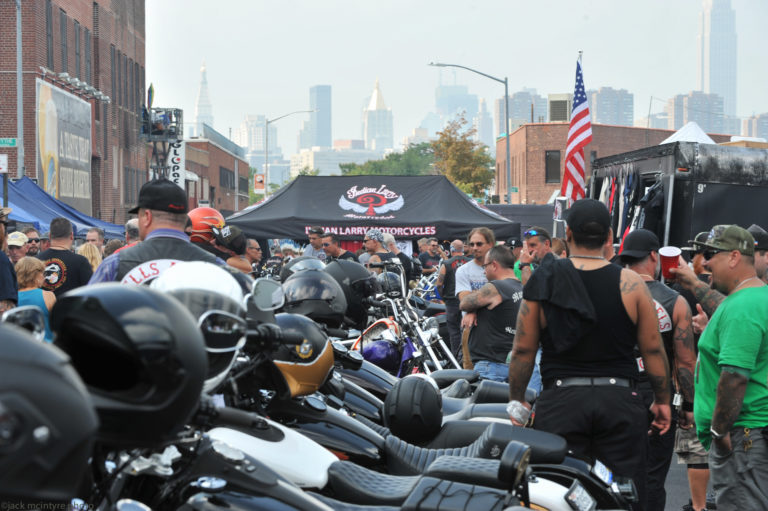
(258, 183)
(177, 162)
(63, 146)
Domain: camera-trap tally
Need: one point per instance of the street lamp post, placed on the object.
(266, 144)
(506, 116)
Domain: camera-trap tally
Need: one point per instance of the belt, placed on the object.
(586, 381)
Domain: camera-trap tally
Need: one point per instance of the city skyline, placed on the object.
(347, 45)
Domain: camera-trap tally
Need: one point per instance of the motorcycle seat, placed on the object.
(433, 308)
(437, 495)
(466, 470)
(445, 377)
(491, 410)
(487, 391)
(407, 459)
(359, 485)
(459, 389)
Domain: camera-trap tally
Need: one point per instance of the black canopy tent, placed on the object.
(408, 207)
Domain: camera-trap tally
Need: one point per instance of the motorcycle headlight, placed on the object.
(432, 326)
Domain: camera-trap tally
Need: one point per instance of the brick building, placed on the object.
(83, 82)
(222, 172)
(538, 155)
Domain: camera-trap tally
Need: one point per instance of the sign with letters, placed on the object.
(63, 145)
(177, 162)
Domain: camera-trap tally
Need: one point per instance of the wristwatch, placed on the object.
(524, 265)
(717, 435)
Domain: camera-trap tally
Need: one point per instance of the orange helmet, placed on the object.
(203, 219)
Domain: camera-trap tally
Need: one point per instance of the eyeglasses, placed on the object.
(477, 244)
(33, 240)
(709, 254)
(486, 264)
(254, 248)
(364, 241)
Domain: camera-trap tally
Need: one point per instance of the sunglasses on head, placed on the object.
(476, 244)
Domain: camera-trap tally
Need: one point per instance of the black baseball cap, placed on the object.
(231, 237)
(639, 243)
(761, 237)
(589, 217)
(162, 195)
(514, 242)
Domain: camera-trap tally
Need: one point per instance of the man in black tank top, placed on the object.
(446, 286)
(588, 316)
(496, 305)
(640, 254)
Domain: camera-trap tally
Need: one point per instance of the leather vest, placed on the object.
(158, 249)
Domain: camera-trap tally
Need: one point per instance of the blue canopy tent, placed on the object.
(32, 204)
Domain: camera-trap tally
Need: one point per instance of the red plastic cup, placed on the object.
(670, 258)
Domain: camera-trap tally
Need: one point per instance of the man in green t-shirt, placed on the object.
(731, 402)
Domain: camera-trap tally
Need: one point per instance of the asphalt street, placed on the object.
(677, 487)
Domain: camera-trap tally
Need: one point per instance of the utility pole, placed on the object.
(19, 98)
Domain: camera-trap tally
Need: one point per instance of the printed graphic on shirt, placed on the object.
(55, 274)
(665, 321)
(148, 271)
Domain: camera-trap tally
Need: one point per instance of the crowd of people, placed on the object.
(627, 367)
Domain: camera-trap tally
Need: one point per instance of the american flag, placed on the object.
(579, 135)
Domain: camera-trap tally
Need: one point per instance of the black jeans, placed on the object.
(453, 322)
(660, 449)
(601, 422)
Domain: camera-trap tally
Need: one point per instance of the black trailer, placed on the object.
(697, 186)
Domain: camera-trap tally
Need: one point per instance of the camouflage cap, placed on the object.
(730, 237)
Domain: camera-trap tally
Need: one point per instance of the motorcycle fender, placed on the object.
(296, 457)
(547, 494)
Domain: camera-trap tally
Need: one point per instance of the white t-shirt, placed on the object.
(470, 277)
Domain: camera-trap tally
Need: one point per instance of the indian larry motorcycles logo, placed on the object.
(370, 203)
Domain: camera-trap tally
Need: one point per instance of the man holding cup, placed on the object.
(731, 403)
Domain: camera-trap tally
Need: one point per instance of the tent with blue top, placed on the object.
(31, 204)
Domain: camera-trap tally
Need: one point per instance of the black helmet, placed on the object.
(389, 283)
(316, 295)
(298, 264)
(357, 283)
(413, 409)
(141, 356)
(305, 367)
(47, 420)
(215, 299)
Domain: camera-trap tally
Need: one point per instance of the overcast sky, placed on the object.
(263, 56)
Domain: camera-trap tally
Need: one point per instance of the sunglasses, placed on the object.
(366, 240)
(326, 244)
(709, 254)
(486, 264)
(33, 240)
(478, 244)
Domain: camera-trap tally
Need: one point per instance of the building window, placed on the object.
(242, 186)
(49, 34)
(119, 96)
(87, 45)
(226, 178)
(77, 49)
(137, 87)
(125, 81)
(129, 89)
(552, 166)
(112, 70)
(63, 27)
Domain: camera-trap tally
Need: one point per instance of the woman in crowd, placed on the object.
(90, 252)
(29, 273)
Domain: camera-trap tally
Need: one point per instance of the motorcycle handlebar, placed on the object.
(337, 332)
(267, 332)
(375, 303)
(235, 417)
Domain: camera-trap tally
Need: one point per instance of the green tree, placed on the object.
(464, 161)
(416, 160)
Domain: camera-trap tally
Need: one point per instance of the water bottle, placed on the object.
(518, 412)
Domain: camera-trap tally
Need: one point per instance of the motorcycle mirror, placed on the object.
(514, 462)
(28, 317)
(267, 294)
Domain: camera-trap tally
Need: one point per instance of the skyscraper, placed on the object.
(706, 110)
(717, 52)
(203, 108)
(377, 123)
(520, 104)
(484, 126)
(612, 106)
(316, 132)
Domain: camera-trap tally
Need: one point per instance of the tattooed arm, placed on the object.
(706, 296)
(524, 349)
(730, 397)
(685, 355)
(487, 295)
(440, 279)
